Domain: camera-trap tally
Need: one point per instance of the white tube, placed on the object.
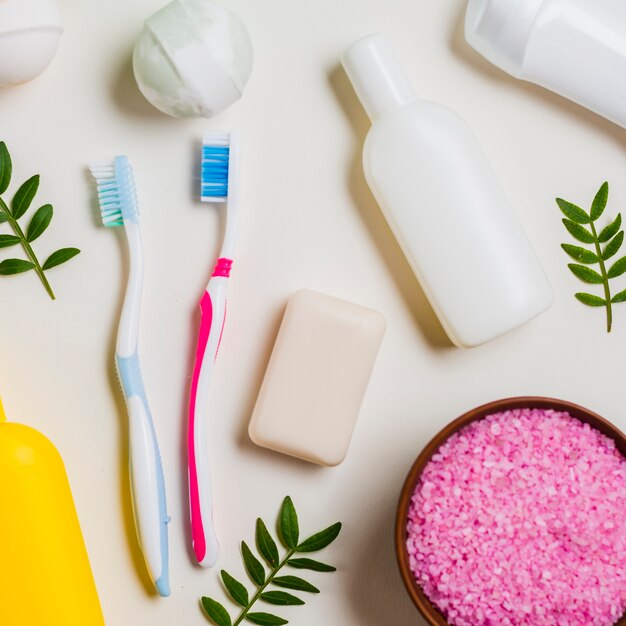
(576, 48)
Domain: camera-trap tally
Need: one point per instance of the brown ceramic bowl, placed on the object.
(428, 611)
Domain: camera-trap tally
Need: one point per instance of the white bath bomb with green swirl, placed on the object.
(193, 58)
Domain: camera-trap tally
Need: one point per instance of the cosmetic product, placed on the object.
(119, 207)
(193, 58)
(576, 48)
(444, 204)
(30, 31)
(533, 499)
(45, 577)
(218, 185)
(316, 378)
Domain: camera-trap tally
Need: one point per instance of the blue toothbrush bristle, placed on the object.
(116, 191)
(214, 168)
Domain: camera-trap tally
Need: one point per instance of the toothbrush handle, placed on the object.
(146, 475)
(213, 314)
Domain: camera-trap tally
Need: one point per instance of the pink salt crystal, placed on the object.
(518, 520)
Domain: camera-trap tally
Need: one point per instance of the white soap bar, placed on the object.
(316, 378)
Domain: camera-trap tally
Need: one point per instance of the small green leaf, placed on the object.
(618, 268)
(296, 583)
(573, 212)
(24, 197)
(14, 266)
(6, 241)
(578, 232)
(281, 598)
(289, 529)
(6, 167)
(612, 248)
(266, 545)
(311, 564)
(216, 612)
(59, 257)
(19, 205)
(599, 202)
(590, 300)
(619, 297)
(585, 274)
(580, 254)
(254, 567)
(236, 590)
(41, 220)
(608, 231)
(323, 538)
(266, 619)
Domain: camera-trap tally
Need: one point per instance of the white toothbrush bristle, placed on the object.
(216, 139)
(116, 191)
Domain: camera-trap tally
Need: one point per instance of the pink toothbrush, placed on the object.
(218, 185)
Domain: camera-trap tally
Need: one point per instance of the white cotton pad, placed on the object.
(193, 58)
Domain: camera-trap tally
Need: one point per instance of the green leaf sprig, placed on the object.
(581, 225)
(289, 534)
(20, 204)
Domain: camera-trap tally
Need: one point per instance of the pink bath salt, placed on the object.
(520, 520)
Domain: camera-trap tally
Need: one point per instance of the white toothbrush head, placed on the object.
(116, 191)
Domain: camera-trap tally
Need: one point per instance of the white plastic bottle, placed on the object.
(444, 204)
(576, 48)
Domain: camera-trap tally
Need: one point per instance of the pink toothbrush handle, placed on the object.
(213, 312)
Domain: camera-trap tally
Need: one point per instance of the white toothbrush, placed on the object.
(119, 207)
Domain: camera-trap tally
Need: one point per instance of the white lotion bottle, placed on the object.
(576, 48)
(444, 204)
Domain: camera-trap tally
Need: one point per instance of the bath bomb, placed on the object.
(30, 31)
(193, 58)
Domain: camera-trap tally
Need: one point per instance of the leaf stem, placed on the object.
(27, 248)
(262, 588)
(605, 280)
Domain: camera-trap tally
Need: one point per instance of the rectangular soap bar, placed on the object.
(316, 378)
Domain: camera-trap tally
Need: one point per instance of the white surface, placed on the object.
(308, 220)
(574, 47)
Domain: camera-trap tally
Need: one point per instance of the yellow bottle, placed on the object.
(45, 577)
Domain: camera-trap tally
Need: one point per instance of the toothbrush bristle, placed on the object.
(214, 167)
(116, 191)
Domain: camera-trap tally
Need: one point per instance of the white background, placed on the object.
(308, 221)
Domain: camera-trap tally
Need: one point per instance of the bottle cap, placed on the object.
(377, 76)
(499, 30)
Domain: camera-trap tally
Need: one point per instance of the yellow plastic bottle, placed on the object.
(45, 576)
